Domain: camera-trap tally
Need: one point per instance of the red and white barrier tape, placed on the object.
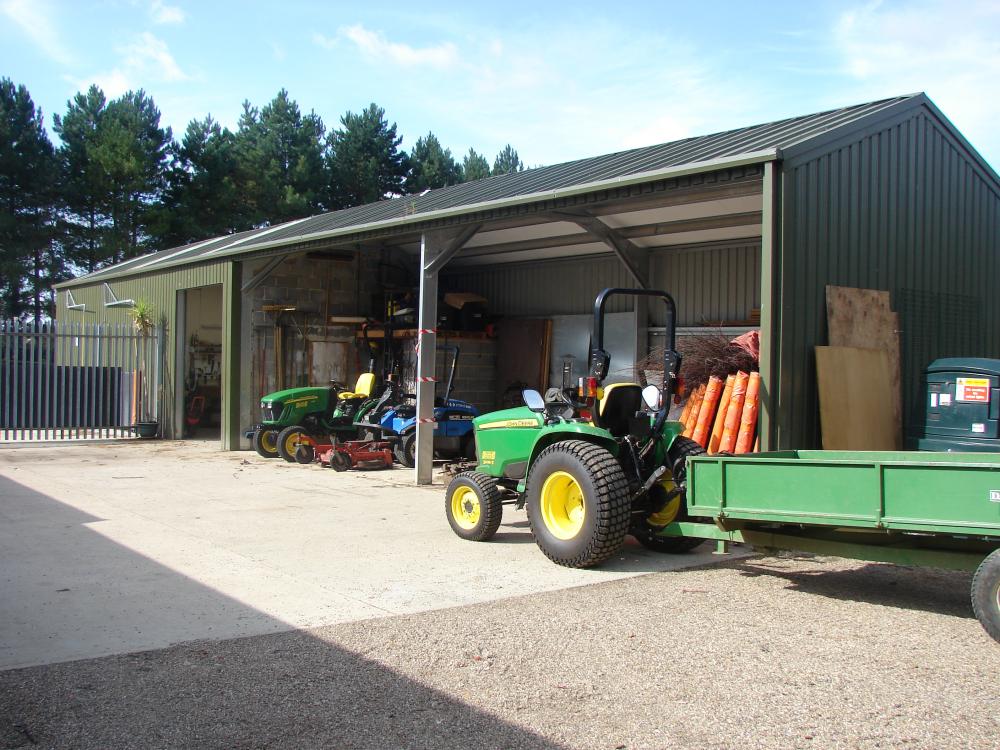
(427, 420)
(427, 380)
(422, 332)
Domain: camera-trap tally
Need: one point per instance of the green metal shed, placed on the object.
(885, 195)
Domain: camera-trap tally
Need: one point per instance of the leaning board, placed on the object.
(855, 399)
(862, 318)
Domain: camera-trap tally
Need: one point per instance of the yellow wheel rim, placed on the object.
(465, 507)
(562, 505)
(669, 513)
(292, 442)
(269, 441)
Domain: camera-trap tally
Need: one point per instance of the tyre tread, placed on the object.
(612, 497)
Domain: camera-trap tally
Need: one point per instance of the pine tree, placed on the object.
(507, 161)
(474, 166)
(203, 198)
(29, 259)
(366, 164)
(281, 159)
(431, 166)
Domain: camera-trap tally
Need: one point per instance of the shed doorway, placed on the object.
(198, 412)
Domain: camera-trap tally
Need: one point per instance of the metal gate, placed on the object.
(73, 381)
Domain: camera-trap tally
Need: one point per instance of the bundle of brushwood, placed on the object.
(722, 384)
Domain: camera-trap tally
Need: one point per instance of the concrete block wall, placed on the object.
(475, 380)
(318, 288)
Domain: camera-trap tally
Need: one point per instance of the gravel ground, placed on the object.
(792, 652)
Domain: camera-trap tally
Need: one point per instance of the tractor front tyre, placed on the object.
(289, 440)
(986, 594)
(406, 450)
(578, 503)
(474, 506)
(265, 442)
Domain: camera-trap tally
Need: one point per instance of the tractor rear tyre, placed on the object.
(265, 442)
(645, 530)
(578, 503)
(986, 594)
(474, 506)
(405, 450)
(289, 439)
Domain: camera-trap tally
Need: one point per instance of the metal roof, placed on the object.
(753, 144)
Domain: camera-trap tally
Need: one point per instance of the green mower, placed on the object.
(590, 467)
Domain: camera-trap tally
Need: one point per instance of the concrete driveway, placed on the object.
(119, 547)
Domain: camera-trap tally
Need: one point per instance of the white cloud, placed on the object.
(952, 53)
(34, 19)
(144, 60)
(375, 46)
(162, 13)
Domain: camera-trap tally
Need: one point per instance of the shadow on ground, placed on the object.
(943, 592)
(285, 689)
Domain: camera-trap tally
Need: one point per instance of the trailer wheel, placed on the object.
(406, 450)
(289, 439)
(986, 594)
(265, 442)
(474, 506)
(675, 509)
(578, 503)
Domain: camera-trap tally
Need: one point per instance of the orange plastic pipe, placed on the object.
(748, 423)
(692, 420)
(686, 411)
(734, 413)
(713, 390)
(720, 417)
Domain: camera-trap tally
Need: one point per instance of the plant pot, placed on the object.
(146, 429)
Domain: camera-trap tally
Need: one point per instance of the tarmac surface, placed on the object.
(170, 595)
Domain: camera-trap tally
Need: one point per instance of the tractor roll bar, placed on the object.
(600, 359)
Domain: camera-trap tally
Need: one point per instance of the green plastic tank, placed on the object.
(961, 410)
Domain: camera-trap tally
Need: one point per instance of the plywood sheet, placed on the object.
(862, 318)
(855, 399)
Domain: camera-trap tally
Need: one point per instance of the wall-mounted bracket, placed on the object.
(111, 300)
(71, 304)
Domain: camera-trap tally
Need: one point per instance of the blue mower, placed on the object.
(453, 435)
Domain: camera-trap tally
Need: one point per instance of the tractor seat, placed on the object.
(362, 389)
(619, 405)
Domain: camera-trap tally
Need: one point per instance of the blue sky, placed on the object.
(558, 81)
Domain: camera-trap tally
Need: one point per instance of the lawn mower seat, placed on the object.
(362, 389)
(619, 405)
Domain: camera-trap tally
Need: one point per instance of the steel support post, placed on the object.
(436, 249)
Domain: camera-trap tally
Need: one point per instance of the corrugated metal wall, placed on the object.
(904, 208)
(161, 291)
(709, 284)
(555, 287)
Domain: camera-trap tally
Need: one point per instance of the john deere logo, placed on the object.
(995, 496)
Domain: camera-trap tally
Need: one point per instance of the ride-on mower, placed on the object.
(589, 468)
(318, 413)
(453, 417)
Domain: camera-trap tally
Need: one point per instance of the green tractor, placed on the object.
(590, 467)
(315, 411)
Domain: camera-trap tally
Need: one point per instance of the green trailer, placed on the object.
(910, 508)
